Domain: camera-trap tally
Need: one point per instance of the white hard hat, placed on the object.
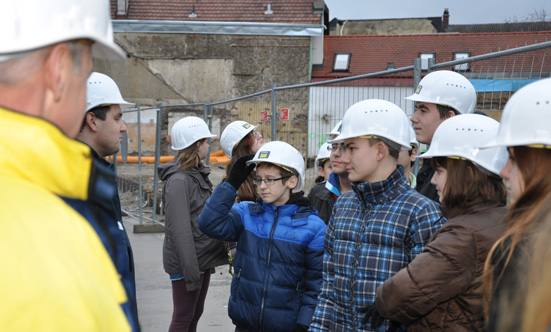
(102, 90)
(323, 153)
(31, 24)
(461, 136)
(413, 138)
(335, 131)
(233, 134)
(376, 117)
(447, 88)
(526, 118)
(187, 131)
(283, 155)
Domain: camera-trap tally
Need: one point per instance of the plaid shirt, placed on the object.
(376, 230)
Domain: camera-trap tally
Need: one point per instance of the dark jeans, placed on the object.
(188, 306)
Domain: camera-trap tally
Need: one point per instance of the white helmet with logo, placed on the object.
(31, 24)
(376, 117)
(187, 131)
(526, 118)
(323, 153)
(102, 90)
(446, 88)
(335, 131)
(233, 134)
(461, 137)
(283, 155)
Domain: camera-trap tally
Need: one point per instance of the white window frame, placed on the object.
(425, 56)
(463, 66)
(341, 62)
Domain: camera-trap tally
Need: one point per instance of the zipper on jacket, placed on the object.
(267, 269)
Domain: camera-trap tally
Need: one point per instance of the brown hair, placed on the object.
(392, 151)
(445, 111)
(467, 188)
(247, 191)
(321, 163)
(538, 287)
(527, 211)
(189, 157)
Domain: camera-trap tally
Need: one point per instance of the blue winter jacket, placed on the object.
(278, 263)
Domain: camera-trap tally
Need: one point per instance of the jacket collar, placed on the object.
(298, 206)
(36, 151)
(377, 192)
(333, 184)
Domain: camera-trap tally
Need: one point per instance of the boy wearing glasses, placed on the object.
(278, 263)
(379, 226)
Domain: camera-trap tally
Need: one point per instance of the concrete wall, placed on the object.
(175, 69)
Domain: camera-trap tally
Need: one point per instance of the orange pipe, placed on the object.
(215, 157)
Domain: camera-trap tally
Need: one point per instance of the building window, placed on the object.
(425, 56)
(390, 66)
(342, 62)
(463, 66)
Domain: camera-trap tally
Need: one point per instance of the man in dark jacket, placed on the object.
(102, 130)
(440, 95)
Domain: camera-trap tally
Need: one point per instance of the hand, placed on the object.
(240, 171)
(372, 314)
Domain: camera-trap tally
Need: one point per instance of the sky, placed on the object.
(461, 11)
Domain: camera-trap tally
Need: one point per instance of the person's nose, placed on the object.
(433, 179)
(414, 118)
(506, 171)
(345, 157)
(123, 127)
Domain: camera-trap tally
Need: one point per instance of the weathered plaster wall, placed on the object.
(385, 27)
(174, 69)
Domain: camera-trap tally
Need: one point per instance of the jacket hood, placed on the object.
(166, 170)
(298, 199)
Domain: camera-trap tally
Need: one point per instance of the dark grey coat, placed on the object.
(322, 200)
(186, 250)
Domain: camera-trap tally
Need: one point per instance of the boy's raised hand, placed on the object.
(240, 171)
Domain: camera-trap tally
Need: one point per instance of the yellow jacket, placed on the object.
(56, 274)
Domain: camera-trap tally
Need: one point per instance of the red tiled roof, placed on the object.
(371, 54)
(284, 11)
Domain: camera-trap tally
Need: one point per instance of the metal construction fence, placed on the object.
(303, 114)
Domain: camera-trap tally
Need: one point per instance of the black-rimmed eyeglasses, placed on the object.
(268, 182)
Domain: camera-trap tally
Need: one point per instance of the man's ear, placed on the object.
(450, 114)
(382, 150)
(91, 121)
(57, 62)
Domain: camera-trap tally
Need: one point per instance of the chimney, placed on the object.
(269, 10)
(446, 18)
(193, 14)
